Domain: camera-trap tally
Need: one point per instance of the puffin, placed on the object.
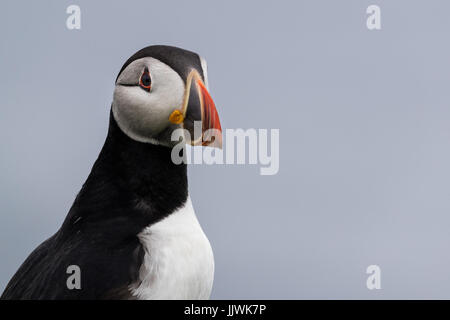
(131, 232)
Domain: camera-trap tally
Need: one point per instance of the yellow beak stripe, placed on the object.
(176, 117)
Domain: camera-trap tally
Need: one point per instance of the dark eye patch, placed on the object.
(145, 81)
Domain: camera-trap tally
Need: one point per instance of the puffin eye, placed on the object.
(145, 82)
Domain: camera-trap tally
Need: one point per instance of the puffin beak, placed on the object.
(211, 128)
(199, 108)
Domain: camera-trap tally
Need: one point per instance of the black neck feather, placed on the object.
(131, 185)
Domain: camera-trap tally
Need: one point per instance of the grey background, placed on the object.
(364, 121)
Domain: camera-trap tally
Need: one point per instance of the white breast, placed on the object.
(178, 261)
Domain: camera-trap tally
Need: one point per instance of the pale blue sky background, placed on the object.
(364, 119)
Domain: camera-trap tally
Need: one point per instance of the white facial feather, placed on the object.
(205, 71)
(140, 114)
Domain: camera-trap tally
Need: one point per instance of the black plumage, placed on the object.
(131, 186)
(180, 60)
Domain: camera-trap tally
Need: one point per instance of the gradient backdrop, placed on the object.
(364, 119)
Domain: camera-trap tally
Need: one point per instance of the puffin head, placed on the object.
(163, 88)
